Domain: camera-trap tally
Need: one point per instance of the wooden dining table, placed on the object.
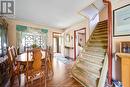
(22, 58)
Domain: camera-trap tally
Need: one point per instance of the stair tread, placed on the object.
(105, 21)
(100, 35)
(92, 74)
(92, 60)
(92, 64)
(96, 50)
(100, 30)
(93, 57)
(92, 54)
(86, 79)
(89, 63)
(95, 70)
(101, 27)
(97, 40)
(97, 45)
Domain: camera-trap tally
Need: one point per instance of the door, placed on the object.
(79, 41)
(57, 42)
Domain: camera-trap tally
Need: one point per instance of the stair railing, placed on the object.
(109, 5)
(104, 71)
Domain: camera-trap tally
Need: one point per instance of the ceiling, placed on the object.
(55, 13)
(92, 10)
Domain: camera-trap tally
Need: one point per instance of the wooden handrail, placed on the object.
(109, 50)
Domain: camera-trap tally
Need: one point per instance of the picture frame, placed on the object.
(67, 37)
(121, 21)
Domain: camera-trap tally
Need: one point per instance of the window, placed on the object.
(32, 38)
(28, 37)
(3, 41)
(0, 43)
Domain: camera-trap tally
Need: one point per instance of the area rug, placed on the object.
(61, 58)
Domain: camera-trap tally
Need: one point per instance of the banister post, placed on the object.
(109, 50)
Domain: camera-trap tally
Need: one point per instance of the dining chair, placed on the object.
(14, 51)
(36, 72)
(49, 63)
(13, 68)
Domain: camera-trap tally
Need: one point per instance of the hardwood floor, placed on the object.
(61, 78)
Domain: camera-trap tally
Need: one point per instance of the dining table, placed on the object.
(22, 59)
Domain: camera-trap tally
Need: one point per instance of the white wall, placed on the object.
(103, 14)
(12, 30)
(93, 23)
(70, 31)
(116, 67)
(117, 40)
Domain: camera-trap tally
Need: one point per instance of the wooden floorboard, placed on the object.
(61, 78)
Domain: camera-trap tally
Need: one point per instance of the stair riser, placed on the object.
(104, 46)
(93, 75)
(88, 66)
(99, 36)
(102, 23)
(102, 33)
(96, 40)
(96, 71)
(96, 50)
(93, 61)
(94, 55)
(100, 30)
(88, 83)
(101, 27)
(99, 59)
(93, 70)
(98, 43)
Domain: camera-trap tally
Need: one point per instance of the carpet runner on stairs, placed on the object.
(89, 65)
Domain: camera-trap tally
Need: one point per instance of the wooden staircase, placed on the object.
(91, 65)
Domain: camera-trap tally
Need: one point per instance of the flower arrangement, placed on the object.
(34, 46)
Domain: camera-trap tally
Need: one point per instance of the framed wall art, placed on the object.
(121, 21)
(67, 37)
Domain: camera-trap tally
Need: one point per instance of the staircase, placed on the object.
(91, 65)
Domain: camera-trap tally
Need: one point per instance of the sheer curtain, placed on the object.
(3, 40)
(28, 36)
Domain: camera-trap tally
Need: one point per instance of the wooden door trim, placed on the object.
(75, 40)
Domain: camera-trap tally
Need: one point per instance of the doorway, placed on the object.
(57, 42)
(79, 41)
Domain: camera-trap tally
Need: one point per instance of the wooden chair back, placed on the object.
(31, 74)
(37, 56)
(14, 51)
(12, 48)
(10, 56)
(49, 62)
(13, 68)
